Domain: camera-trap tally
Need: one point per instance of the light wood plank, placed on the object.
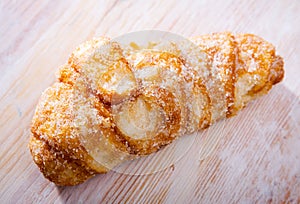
(257, 155)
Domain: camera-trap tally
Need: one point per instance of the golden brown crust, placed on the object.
(163, 102)
(200, 98)
(258, 68)
(57, 166)
(221, 58)
(101, 64)
(53, 123)
(108, 108)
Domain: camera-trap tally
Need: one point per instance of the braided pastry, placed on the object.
(113, 104)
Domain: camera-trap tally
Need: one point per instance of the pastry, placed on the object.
(113, 103)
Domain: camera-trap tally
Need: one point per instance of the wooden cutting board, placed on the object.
(252, 158)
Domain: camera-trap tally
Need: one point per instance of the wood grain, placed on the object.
(256, 158)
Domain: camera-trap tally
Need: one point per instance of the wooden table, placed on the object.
(255, 158)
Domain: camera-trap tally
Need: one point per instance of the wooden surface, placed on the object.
(256, 157)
